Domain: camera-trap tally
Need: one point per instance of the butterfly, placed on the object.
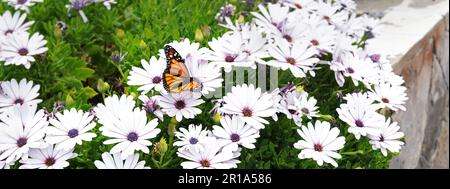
(176, 76)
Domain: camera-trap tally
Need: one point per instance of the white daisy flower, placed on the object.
(302, 5)
(299, 58)
(151, 106)
(70, 128)
(48, 158)
(192, 138)
(371, 25)
(353, 27)
(215, 156)
(322, 37)
(148, 77)
(113, 108)
(185, 48)
(78, 6)
(307, 106)
(349, 65)
(18, 94)
(249, 104)
(388, 139)
(128, 129)
(289, 105)
(226, 52)
(254, 44)
(291, 31)
(114, 161)
(181, 104)
(21, 128)
(360, 113)
(274, 17)
(330, 12)
(392, 97)
(387, 75)
(209, 75)
(320, 143)
(10, 24)
(236, 132)
(23, 4)
(19, 49)
(344, 45)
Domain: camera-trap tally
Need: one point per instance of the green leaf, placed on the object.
(83, 73)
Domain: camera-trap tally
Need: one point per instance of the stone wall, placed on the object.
(416, 39)
(425, 69)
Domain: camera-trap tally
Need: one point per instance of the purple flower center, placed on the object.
(150, 106)
(21, 2)
(381, 138)
(385, 100)
(73, 133)
(205, 163)
(327, 18)
(247, 112)
(290, 60)
(318, 147)
(297, 5)
(227, 11)
(22, 142)
(359, 123)
(50, 161)
(23, 52)
(79, 4)
(350, 70)
(19, 101)
(193, 140)
(235, 137)
(288, 38)
(156, 80)
(305, 110)
(9, 32)
(375, 57)
(230, 58)
(314, 42)
(292, 111)
(132, 137)
(180, 104)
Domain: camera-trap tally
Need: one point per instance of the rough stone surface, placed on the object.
(425, 70)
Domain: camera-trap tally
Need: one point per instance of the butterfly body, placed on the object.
(176, 76)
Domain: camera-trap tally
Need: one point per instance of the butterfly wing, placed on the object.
(176, 77)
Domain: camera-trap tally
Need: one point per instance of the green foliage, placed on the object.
(78, 64)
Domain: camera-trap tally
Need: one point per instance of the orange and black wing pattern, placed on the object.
(176, 77)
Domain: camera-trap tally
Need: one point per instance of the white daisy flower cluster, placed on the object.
(361, 113)
(296, 36)
(79, 5)
(157, 100)
(37, 139)
(27, 134)
(17, 45)
(299, 35)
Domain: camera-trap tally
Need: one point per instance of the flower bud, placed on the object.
(120, 33)
(199, 35)
(102, 86)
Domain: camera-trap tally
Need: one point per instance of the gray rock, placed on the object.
(425, 69)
